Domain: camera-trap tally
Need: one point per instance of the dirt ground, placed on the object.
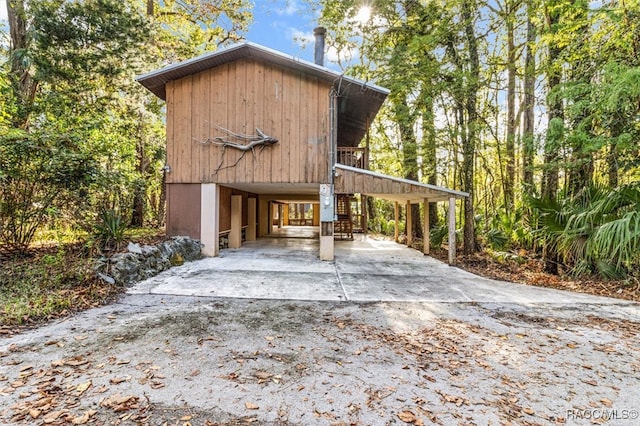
(203, 361)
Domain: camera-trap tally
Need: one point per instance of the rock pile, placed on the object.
(142, 262)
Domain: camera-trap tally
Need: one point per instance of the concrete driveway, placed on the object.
(382, 336)
(364, 270)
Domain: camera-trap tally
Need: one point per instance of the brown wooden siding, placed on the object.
(241, 96)
(183, 210)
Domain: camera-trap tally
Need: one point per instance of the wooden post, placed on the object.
(396, 213)
(425, 231)
(235, 236)
(452, 231)
(365, 217)
(316, 214)
(263, 218)
(409, 225)
(251, 219)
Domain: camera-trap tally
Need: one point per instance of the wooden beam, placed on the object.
(396, 212)
(409, 225)
(452, 231)
(425, 231)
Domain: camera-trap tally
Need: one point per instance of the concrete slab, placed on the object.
(520, 355)
(364, 270)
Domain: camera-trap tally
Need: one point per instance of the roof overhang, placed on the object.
(350, 180)
(358, 101)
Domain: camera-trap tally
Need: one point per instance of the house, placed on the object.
(251, 130)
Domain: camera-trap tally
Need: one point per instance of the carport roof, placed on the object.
(350, 180)
(358, 101)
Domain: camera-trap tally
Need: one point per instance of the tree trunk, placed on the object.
(554, 106)
(511, 111)
(139, 192)
(468, 149)
(405, 121)
(528, 123)
(430, 161)
(22, 81)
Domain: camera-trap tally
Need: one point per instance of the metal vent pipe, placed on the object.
(319, 33)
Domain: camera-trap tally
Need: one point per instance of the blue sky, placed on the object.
(284, 25)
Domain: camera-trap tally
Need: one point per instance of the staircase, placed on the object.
(343, 227)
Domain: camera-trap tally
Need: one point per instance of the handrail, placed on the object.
(353, 156)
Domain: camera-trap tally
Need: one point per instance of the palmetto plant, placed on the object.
(597, 230)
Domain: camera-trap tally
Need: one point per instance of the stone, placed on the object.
(106, 278)
(134, 248)
(176, 259)
(140, 263)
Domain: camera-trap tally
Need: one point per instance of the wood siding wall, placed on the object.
(240, 96)
(183, 210)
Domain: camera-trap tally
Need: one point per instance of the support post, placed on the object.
(263, 214)
(396, 219)
(365, 216)
(280, 216)
(452, 231)
(285, 219)
(210, 218)
(251, 219)
(425, 232)
(409, 225)
(316, 214)
(326, 222)
(235, 235)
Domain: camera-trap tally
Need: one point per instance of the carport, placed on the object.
(403, 192)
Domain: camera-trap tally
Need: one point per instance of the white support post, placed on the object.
(408, 229)
(235, 236)
(425, 239)
(396, 219)
(452, 231)
(209, 218)
(251, 219)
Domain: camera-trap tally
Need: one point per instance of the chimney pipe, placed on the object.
(318, 56)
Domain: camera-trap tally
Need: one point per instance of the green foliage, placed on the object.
(39, 175)
(597, 230)
(109, 231)
(437, 235)
(497, 239)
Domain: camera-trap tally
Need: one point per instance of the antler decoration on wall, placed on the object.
(260, 140)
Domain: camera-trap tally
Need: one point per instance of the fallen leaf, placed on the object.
(118, 380)
(185, 418)
(82, 387)
(84, 418)
(250, 406)
(407, 416)
(529, 411)
(34, 413)
(52, 416)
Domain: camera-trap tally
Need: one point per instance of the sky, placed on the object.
(284, 25)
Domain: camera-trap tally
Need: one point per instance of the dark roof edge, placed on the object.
(158, 78)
